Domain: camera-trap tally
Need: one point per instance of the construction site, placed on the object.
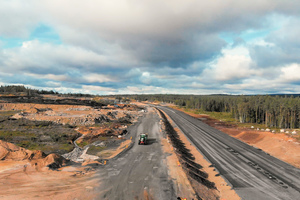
(84, 148)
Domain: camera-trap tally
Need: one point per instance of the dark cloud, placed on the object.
(274, 56)
(179, 52)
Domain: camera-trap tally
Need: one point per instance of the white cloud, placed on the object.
(146, 78)
(98, 78)
(48, 76)
(49, 56)
(234, 64)
(17, 18)
(92, 89)
(290, 73)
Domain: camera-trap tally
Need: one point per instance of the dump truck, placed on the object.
(143, 138)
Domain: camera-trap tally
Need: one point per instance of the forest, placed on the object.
(278, 111)
(22, 90)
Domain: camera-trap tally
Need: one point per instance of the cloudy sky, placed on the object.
(151, 46)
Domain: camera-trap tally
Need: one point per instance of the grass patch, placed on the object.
(29, 145)
(223, 116)
(93, 150)
(82, 144)
(87, 141)
(8, 113)
(9, 135)
(66, 147)
(63, 148)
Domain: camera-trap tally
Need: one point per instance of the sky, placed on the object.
(151, 46)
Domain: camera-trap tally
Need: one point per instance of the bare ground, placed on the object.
(66, 184)
(22, 178)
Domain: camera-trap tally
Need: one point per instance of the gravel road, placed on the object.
(141, 172)
(252, 173)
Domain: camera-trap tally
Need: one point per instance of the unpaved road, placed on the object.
(141, 172)
(252, 173)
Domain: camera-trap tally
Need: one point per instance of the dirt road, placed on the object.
(140, 173)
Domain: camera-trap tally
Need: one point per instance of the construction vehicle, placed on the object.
(143, 138)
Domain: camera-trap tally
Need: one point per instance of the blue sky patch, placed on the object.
(42, 32)
(45, 33)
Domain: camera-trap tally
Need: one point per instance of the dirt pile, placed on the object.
(37, 159)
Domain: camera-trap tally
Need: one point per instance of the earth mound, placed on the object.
(37, 159)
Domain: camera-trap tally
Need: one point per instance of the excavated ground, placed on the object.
(53, 128)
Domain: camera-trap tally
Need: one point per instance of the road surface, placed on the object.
(252, 173)
(141, 172)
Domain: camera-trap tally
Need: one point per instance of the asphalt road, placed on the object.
(141, 172)
(252, 173)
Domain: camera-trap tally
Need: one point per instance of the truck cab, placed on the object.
(143, 138)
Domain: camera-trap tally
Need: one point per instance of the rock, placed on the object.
(282, 130)
(17, 116)
(54, 161)
(101, 118)
(294, 132)
(268, 130)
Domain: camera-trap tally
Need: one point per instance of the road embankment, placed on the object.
(202, 176)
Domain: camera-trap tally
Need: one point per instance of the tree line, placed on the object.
(279, 111)
(21, 89)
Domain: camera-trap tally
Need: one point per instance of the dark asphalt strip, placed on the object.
(239, 162)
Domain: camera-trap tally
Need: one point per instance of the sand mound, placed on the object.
(38, 159)
(54, 161)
